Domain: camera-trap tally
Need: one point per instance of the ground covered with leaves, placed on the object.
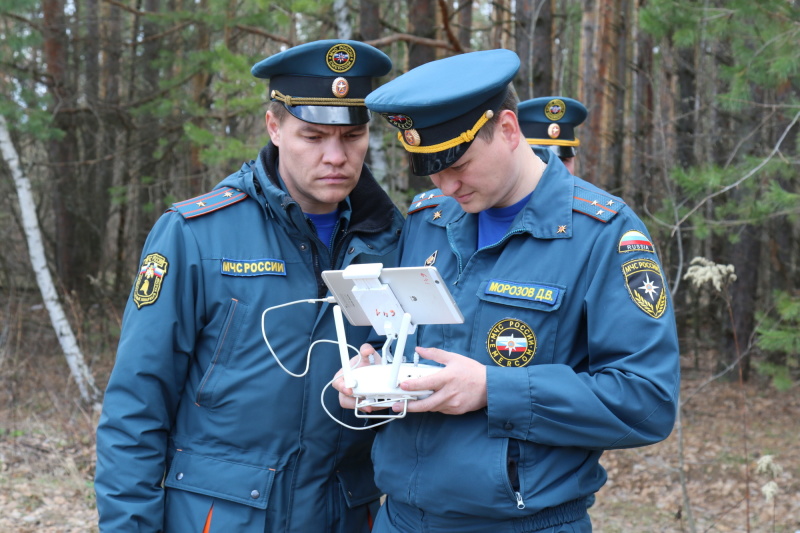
(47, 459)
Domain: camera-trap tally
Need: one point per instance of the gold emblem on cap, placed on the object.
(340, 87)
(340, 57)
(554, 130)
(412, 137)
(555, 109)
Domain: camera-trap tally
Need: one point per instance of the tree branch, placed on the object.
(451, 37)
(740, 180)
(262, 33)
(407, 37)
(24, 20)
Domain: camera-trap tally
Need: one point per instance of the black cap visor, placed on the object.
(565, 152)
(427, 164)
(331, 115)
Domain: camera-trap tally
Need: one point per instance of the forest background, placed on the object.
(117, 108)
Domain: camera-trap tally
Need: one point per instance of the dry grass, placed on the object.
(47, 453)
(644, 492)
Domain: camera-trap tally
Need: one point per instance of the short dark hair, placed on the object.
(278, 110)
(509, 102)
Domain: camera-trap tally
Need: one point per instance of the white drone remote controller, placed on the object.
(378, 385)
(368, 294)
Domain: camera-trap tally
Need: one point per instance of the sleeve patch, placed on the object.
(646, 286)
(209, 202)
(149, 280)
(635, 241)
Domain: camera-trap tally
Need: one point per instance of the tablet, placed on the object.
(420, 291)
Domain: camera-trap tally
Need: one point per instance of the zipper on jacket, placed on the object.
(337, 244)
(513, 453)
(455, 252)
(322, 289)
(520, 502)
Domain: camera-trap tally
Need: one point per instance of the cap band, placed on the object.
(299, 100)
(465, 137)
(553, 142)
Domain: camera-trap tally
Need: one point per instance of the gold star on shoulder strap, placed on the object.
(437, 214)
(562, 229)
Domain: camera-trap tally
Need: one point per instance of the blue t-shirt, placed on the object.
(494, 222)
(324, 225)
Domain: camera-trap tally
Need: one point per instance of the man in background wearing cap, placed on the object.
(196, 398)
(569, 344)
(550, 121)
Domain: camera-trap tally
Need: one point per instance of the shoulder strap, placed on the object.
(425, 200)
(209, 202)
(596, 204)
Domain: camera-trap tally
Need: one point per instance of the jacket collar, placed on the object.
(369, 207)
(547, 215)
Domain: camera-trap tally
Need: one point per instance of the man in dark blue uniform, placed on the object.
(550, 121)
(569, 344)
(203, 428)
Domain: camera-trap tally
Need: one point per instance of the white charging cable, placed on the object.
(348, 426)
(329, 299)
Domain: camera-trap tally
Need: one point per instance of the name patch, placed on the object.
(253, 267)
(534, 292)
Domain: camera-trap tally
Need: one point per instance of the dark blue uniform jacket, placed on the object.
(196, 398)
(571, 315)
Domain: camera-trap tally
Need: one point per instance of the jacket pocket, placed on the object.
(226, 343)
(236, 482)
(358, 484)
(520, 321)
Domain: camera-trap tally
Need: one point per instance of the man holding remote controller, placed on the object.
(569, 343)
(201, 430)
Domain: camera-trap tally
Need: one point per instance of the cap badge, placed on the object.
(340, 87)
(402, 122)
(554, 130)
(340, 57)
(411, 137)
(555, 109)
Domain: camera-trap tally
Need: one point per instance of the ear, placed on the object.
(273, 128)
(508, 128)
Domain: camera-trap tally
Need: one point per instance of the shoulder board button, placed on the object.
(425, 200)
(209, 202)
(596, 204)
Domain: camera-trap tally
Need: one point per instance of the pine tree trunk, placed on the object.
(465, 24)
